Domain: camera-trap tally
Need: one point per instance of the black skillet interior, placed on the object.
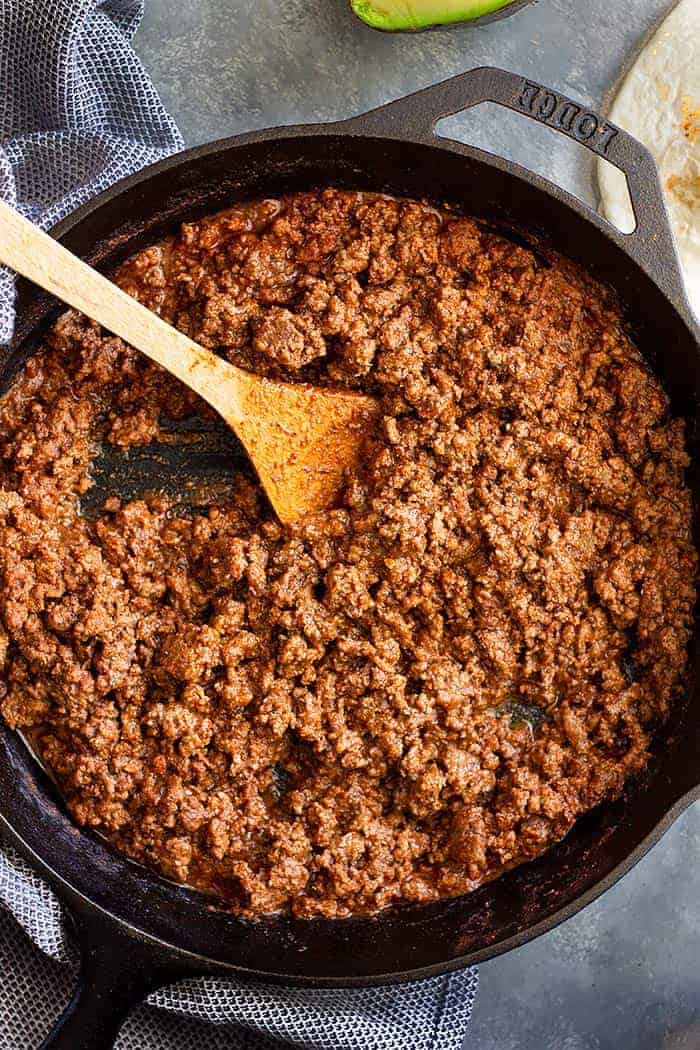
(390, 150)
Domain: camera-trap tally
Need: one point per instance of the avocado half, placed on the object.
(397, 15)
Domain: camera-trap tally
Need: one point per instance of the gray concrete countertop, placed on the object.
(624, 974)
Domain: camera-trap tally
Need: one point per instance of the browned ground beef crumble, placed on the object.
(398, 700)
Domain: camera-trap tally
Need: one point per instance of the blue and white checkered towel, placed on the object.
(77, 112)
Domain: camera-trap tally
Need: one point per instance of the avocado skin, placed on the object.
(364, 11)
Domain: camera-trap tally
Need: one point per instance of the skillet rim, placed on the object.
(79, 905)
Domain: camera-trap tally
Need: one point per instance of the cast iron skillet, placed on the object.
(135, 930)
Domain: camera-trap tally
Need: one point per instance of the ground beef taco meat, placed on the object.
(400, 699)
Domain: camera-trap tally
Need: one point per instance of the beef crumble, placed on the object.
(404, 697)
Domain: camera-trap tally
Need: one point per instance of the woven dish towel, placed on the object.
(77, 112)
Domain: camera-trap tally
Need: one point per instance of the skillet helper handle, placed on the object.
(117, 972)
(651, 244)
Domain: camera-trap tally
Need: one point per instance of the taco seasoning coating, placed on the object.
(403, 698)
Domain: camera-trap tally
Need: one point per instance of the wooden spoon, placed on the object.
(301, 440)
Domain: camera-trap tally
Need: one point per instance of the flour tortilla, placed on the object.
(659, 103)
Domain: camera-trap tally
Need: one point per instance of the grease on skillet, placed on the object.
(405, 697)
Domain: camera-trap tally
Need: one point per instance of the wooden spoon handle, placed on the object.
(36, 255)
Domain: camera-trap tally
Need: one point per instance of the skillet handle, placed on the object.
(117, 972)
(651, 244)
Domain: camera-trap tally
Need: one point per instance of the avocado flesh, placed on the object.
(418, 14)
